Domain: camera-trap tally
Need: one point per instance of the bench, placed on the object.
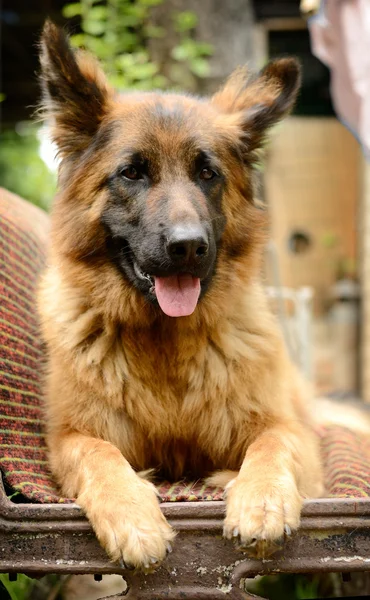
(41, 533)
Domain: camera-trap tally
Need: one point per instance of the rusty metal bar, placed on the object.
(39, 539)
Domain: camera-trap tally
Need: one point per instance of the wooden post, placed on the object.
(364, 252)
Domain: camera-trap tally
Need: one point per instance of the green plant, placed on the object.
(49, 587)
(296, 587)
(119, 33)
(20, 589)
(22, 170)
(17, 590)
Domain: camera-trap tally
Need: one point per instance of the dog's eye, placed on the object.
(131, 173)
(207, 174)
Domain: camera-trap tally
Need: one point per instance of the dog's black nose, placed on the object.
(187, 244)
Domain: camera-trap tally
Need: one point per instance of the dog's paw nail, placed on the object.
(153, 561)
(169, 548)
(279, 541)
(125, 565)
(287, 530)
(235, 532)
(247, 544)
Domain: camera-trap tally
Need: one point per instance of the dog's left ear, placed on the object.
(258, 103)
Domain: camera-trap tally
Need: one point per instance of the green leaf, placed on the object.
(204, 49)
(185, 21)
(78, 40)
(127, 20)
(98, 47)
(181, 52)
(72, 10)
(187, 50)
(93, 27)
(150, 2)
(119, 81)
(128, 42)
(17, 590)
(145, 71)
(136, 10)
(199, 67)
(125, 61)
(153, 31)
(7, 585)
(98, 13)
(160, 81)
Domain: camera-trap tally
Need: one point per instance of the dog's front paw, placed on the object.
(130, 525)
(259, 513)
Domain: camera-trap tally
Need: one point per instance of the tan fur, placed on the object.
(131, 389)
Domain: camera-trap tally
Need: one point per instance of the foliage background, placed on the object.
(122, 34)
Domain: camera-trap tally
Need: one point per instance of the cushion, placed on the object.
(23, 453)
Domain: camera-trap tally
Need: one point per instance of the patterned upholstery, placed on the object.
(23, 236)
(347, 463)
(23, 455)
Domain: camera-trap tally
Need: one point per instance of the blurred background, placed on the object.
(314, 178)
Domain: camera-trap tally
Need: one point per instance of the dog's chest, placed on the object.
(186, 407)
(185, 393)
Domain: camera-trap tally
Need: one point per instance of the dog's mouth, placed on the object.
(144, 277)
(176, 291)
(177, 295)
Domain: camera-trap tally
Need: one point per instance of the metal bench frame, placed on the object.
(38, 539)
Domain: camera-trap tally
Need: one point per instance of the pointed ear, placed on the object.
(258, 103)
(75, 91)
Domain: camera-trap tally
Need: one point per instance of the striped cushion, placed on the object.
(23, 457)
(347, 462)
(23, 236)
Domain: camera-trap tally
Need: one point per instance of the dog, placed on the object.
(163, 351)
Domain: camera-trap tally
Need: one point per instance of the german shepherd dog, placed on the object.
(163, 352)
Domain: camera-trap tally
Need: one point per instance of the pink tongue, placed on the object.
(177, 295)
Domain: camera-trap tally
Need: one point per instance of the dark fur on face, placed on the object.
(163, 214)
(164, 179)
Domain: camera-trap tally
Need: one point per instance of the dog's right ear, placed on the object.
(257, 103)
(76, 94)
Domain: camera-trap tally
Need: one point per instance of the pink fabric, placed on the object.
(340, 38)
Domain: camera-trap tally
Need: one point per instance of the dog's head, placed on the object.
(159, 184)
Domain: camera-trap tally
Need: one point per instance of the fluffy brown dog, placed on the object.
(163, 351)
